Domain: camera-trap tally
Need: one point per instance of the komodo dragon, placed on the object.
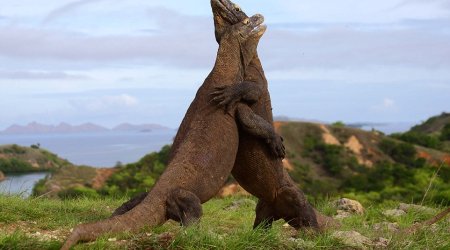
(256, 170)
(204, 158)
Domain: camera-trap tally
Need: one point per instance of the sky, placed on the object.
(140, 61)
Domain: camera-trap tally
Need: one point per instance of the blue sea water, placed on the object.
(103, 149)
(20, 184)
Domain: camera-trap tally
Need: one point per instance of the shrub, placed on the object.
(445, 134)
(137, 177)
(418, 138)
(402, 152)
(14, 165)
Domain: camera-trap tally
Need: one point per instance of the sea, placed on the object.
(101, 149)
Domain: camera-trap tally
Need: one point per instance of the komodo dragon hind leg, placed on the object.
(125, 207)
(290, 205)
(184, 207)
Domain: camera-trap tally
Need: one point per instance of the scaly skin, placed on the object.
(199, 164)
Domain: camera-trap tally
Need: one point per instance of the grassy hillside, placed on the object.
(226, 224)
(433, 125)
(433, 133)
(18, 159)
(335, 160)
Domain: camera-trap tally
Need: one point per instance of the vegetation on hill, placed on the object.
(433, 125)
(433, 133)
(68, 182)
(18, 159)
(365, 165)
(38, 223)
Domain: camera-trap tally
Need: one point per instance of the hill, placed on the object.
(38, 223)
(329, 160)
(433, 125)
(18, 159)
(433, 133)
(37, 128)
(64, 128)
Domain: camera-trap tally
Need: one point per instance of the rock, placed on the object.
(302, 244)
(381, 243)
(341, 214)
(232, 189)
(392, 227)
(350, 206)
(352, 239)
(239, 203)
(2, 176)
(412, 207)
(394, 213)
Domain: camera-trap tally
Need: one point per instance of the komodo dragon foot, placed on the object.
(290, 205)
(181, 206)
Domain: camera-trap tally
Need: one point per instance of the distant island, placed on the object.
(64, 128)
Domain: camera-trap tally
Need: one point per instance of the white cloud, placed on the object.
(386, 105)
(39, 75)
(105, 103)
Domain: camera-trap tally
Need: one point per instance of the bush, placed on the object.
(404, 153)
(418, 138)
(15, 165)
(445, 134)
(137, 177)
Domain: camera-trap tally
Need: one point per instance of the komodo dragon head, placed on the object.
(226, 15)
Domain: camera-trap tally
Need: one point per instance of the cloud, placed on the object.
(183, 41)
(440, 3)
(105, 103)
(341, 47)
(39, 75)
(387, 104)
(66, 9)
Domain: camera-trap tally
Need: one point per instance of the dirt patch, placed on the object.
(102, 176)
(31, 229)
(356, 147)
(328, 137)
(232, 189)
(287, 165)
(424, 155)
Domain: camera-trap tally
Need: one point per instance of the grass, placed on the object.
(227, 224)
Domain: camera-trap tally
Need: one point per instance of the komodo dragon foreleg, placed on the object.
(236, 98)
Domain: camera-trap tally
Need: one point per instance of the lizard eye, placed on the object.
(237, 8)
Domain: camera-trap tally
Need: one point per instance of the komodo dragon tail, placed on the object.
(412, 229)
(150, 212)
